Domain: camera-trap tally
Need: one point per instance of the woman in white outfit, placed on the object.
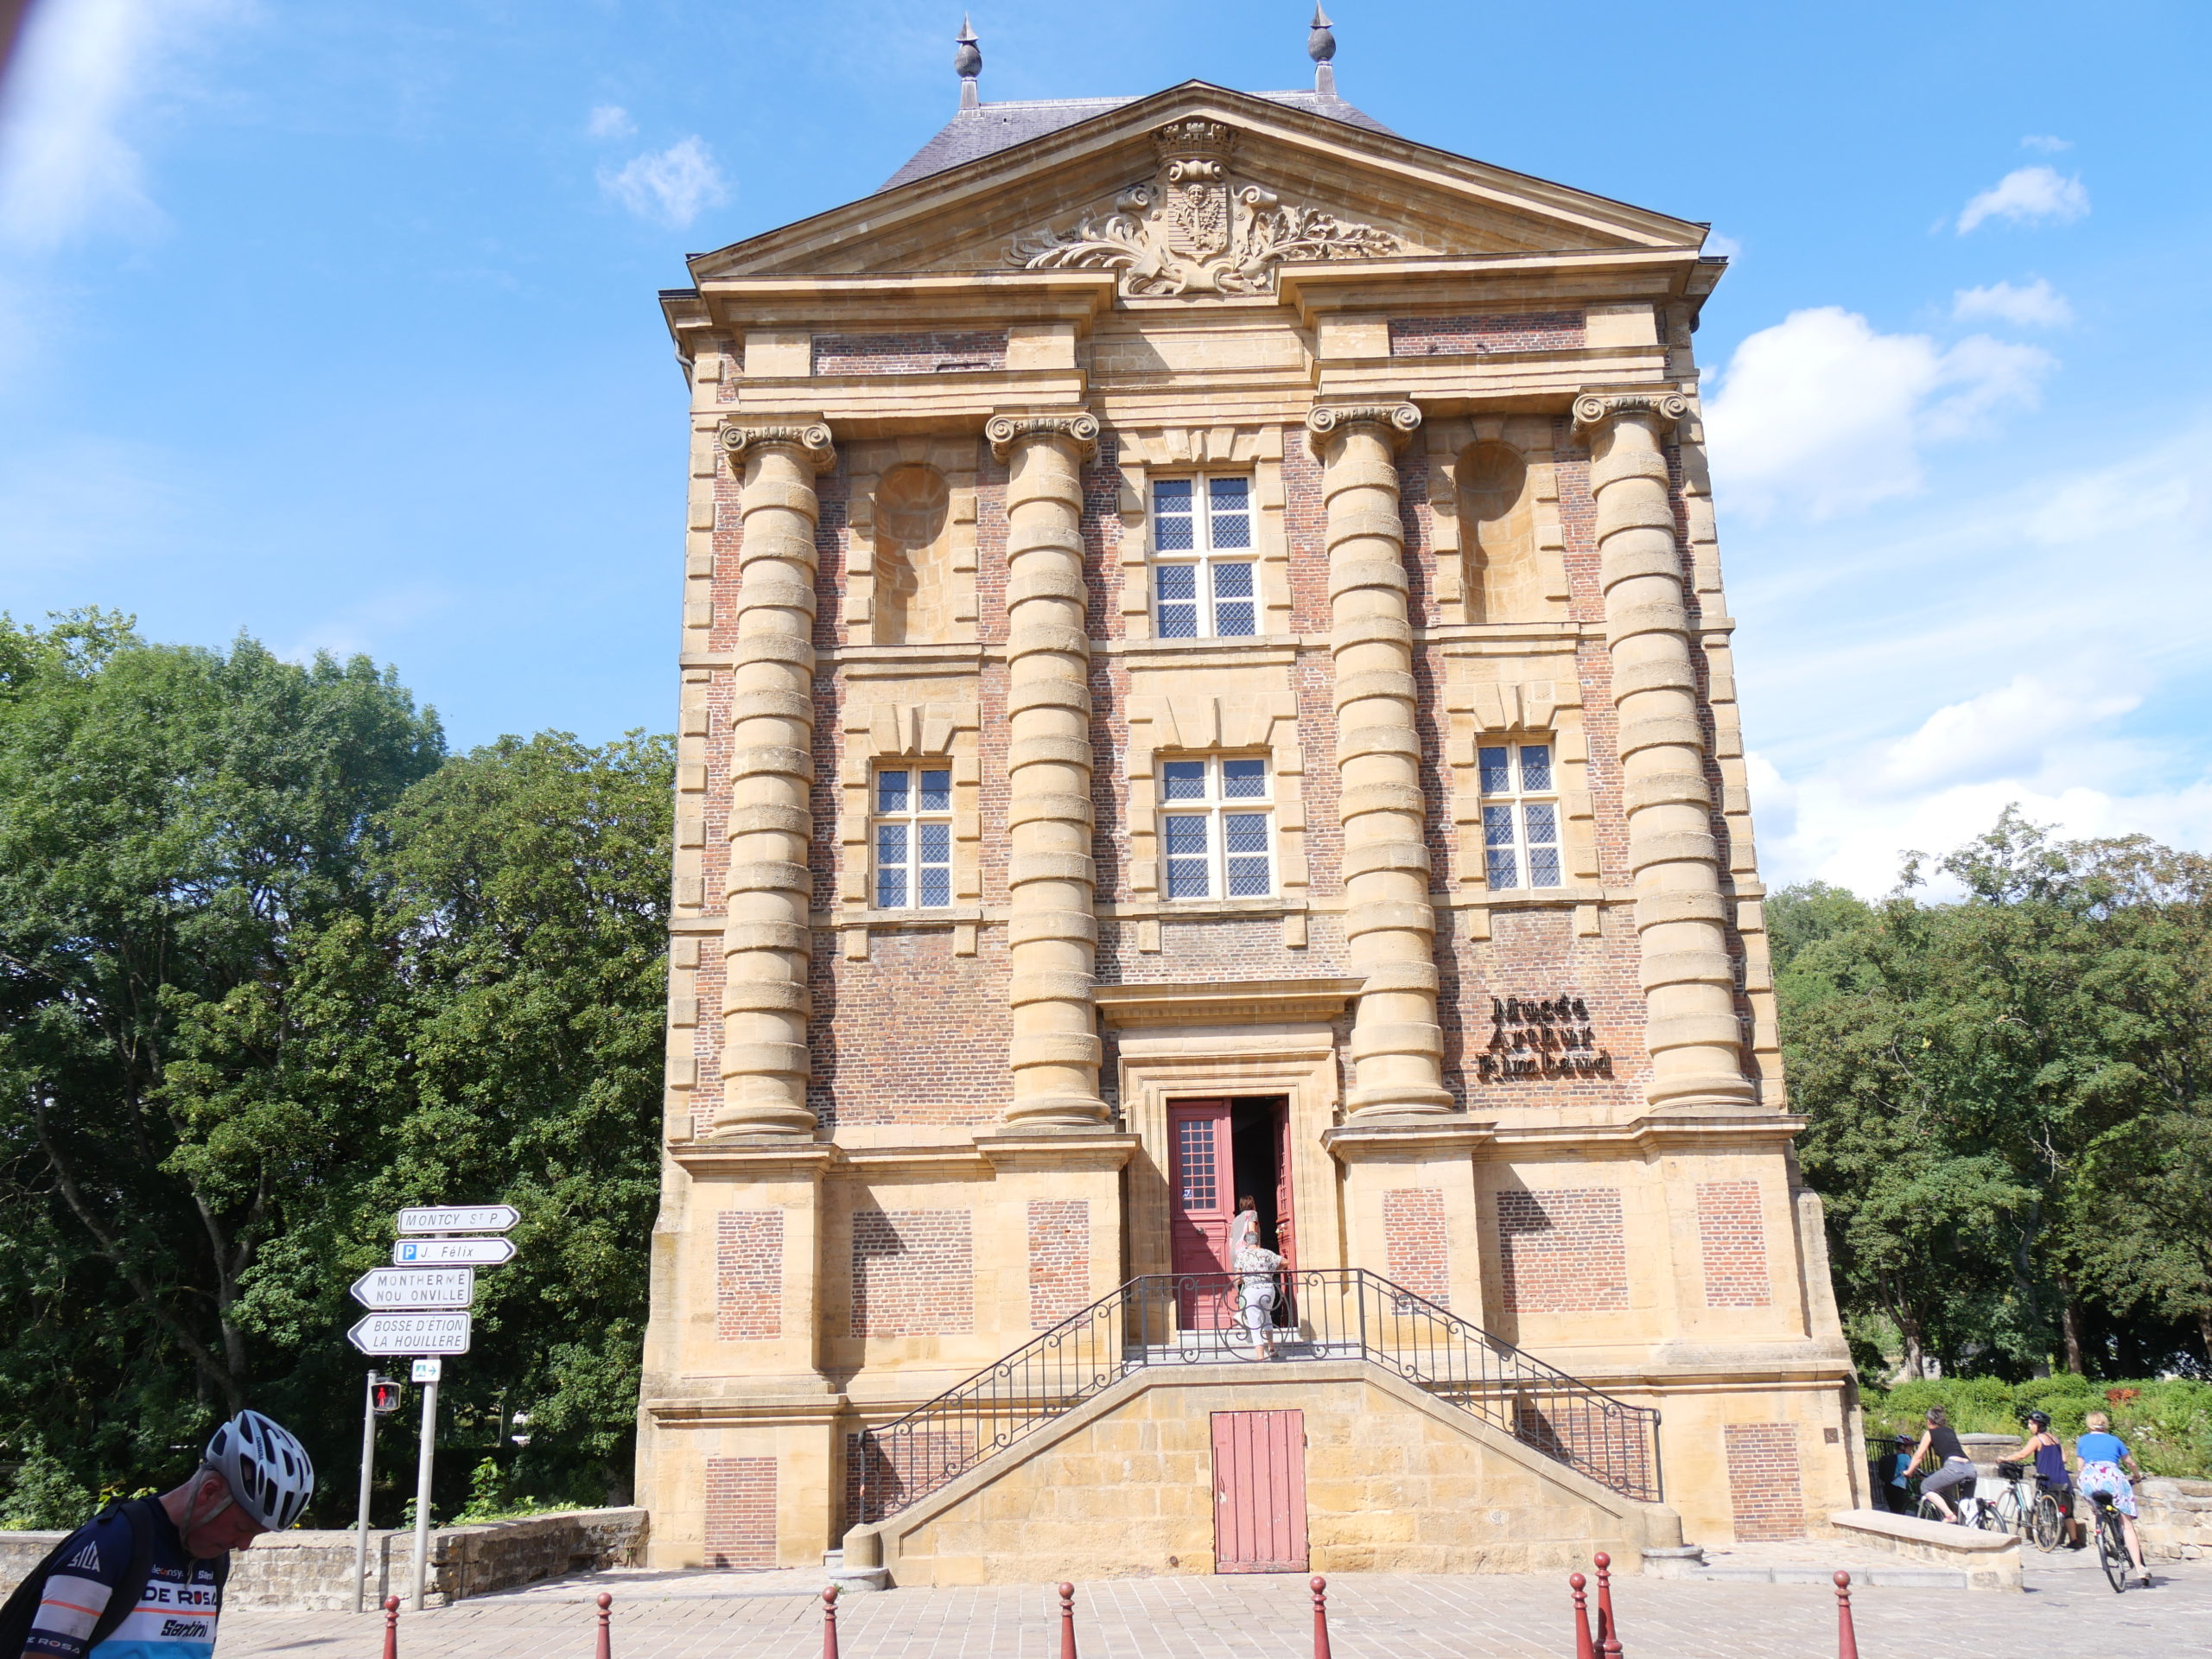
(1256, 1269)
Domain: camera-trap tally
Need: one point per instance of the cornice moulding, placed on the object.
(1260, 1001)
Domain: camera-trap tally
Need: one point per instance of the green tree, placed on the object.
(177, 828)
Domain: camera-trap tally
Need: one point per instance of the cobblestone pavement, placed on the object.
(2068, 1612)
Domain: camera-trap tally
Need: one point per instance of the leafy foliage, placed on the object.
(272, 966)
(2009, 1122)
(2167, 1423)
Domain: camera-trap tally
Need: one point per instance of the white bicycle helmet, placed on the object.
(268, 1469)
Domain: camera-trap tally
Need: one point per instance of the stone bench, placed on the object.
(1991, 1561)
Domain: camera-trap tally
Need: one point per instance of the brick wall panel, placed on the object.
(1414, 1243)
(938, 352)
(913, 1273)
(1562, 1250)
(1059, 1259)
(1763, 1481)
(1512, 331)
(879, 1030)
(1732, 1236)
(748, 1274)
(741, 1512)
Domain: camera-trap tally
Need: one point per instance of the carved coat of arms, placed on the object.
(1191, 229)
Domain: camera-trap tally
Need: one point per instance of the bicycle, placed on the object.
(2023, 1508)
(2111, 1542)
(1974, 1513)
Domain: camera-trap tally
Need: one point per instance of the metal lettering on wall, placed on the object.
(1541, 1037)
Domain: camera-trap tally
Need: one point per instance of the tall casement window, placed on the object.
(1519, 815)
(1202, 562)
(1216, 832)
(914, 836)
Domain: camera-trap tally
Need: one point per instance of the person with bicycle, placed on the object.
(143, 1578)
(1947, 1463)
(2100, 1452)
(2049, 1458)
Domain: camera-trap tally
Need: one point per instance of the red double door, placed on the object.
(1202, 1198)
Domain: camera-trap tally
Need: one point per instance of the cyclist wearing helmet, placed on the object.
(2050, 1469)
(143, 1580)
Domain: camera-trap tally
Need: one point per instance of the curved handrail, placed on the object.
(1194, 1319)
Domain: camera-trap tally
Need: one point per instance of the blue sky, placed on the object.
(336, 323)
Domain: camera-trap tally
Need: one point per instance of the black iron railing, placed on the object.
(1202, 1318)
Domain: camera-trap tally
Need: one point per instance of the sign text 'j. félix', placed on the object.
(452, 1252)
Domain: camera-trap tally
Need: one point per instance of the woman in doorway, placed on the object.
(1254, 1267)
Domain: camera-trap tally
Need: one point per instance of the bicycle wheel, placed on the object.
(1988, 1518)
(2111, 1548)
(2046, 1525)
(1927, 1511)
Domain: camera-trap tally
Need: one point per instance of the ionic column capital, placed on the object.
(1076, 428)
(1398, 421)
(1594, 409)
(809, 440)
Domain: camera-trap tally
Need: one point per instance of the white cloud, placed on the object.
(1979, 652)
(610, 121)
(86, 70)
(1725, 247)
(2027, 195)
(1822, 413)
(2037, 305)
(2045, 142)
(669, 188)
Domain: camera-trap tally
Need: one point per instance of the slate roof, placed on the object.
(973, 134)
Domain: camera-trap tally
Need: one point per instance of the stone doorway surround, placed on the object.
(1261, 1037)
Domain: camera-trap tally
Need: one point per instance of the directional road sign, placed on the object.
(452, 1252)
(416, 1287)
(411, 1333)
(459, 1218)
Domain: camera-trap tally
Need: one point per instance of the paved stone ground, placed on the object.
(2068, 1612)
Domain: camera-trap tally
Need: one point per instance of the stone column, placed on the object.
(1052, 928)
(1396, 1049)
(1689, 983)
(766, 941)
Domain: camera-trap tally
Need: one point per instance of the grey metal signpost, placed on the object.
(419, 1306)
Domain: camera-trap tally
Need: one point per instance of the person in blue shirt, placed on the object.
(143, 1580)
(2101, 1452)
(1890, 1469)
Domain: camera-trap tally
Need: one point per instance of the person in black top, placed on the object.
(1947, 1463)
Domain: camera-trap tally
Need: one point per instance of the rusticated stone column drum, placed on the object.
(1051, 927)
(766, 942)
(1689, 983)
(1389, 924)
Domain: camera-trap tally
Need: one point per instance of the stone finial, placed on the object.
(1321, 47)
(968, 63)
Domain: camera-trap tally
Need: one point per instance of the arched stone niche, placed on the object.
(1494, 520)
(913, 563)
(1498, 519)
(910, 570)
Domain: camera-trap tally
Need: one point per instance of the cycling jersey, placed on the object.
(176, 1609)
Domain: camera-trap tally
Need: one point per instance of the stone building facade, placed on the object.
(1204, 640)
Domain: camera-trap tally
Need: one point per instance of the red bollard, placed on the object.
(606, 1648)
(391, 1627)
(1320, 1617)
(1067, 1621)
(830, 1623)
(1609, 1635)
(1847, 1637)
(1574, 1582)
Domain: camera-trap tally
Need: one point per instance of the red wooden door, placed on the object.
(1285, 1228)
(1201, 1195)
(1259, 1491)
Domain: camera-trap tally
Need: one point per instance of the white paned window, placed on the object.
(1519, 815)
(1217, 837)
(1201, 563)
(913, 825)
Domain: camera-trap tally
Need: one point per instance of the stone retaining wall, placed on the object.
(313, 1571)
(2174, 1519)
(1991, 1561)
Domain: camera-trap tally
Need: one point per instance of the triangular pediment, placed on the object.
(1194, 190)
